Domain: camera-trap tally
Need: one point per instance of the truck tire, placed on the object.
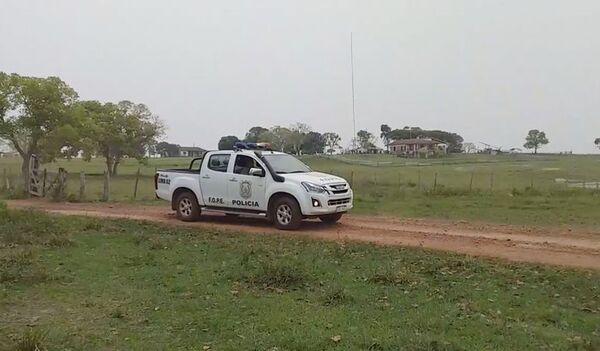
(286, 213)
(331, 218)
(187, 209)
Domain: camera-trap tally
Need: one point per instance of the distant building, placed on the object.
(419, 147)
(469, 148)
(191, 151)
(515, 150)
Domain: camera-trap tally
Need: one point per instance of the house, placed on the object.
(419, 147)
(191, 151)
(469, 148)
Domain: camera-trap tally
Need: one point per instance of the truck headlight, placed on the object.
(314, 188)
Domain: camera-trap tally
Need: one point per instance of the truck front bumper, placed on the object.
(323, 204)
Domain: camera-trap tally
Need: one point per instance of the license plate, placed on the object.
(341, 208)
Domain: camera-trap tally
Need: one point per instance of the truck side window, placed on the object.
(196, 165)
(218, 163)
(243, 164)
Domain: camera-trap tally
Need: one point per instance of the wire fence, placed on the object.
(139, 184)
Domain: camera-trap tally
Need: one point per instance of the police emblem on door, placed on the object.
(246, 189)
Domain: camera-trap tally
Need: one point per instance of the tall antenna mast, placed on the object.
(353, 110)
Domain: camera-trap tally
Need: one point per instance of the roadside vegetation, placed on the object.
(519, 189)
(84, 283)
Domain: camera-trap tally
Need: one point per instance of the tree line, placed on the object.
(297, 139)
(45, 117)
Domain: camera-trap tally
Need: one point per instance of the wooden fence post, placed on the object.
(81, 185)
(44, 177)
(419, 179)
(471, 183)
(4, 180)
(61, 184)
(137, 179)
(531, 183)
(492, 181)
(106, 192)
(435, 181)
(9, 180)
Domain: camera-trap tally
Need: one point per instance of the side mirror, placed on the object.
(257, 172)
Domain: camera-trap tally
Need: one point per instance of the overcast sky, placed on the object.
(488, 70)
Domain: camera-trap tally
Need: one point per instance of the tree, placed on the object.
(385, 135)
(332, 141)
(253, 135)
(227, 142)
(365, 139)
(36, 117)
(166, 149)
(535, 139)
(313, 143)
(296, 136)
(279, 138)
(597, 142)
(116, 131)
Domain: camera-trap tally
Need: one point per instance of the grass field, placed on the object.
(85, 284)
(504, 188)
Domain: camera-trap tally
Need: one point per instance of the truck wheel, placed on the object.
(286, 213)
(188, 209)
(331, 218)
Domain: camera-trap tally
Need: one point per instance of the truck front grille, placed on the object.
(338, 201)
(337, 189)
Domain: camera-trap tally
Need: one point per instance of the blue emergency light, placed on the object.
(251, 146)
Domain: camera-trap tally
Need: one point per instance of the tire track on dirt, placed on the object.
(556, 246)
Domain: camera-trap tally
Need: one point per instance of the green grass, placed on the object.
(517, 189)
(85, 284)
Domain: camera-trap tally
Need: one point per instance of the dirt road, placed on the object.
(556, 246)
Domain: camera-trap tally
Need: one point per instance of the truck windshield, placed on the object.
(284, 164)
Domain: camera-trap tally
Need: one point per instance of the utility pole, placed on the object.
(353, 110)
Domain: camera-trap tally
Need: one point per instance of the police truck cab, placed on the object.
(252, 180)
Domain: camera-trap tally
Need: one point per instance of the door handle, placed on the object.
(233, 179)
(205, 176)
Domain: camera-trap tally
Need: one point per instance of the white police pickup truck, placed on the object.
(271, 184)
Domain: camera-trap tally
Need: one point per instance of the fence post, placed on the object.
(531, 183)
(435, 181)
(81, 185)
(471, 183)
(9, 180)
(44, 176)
(106, 192)
(4, 180)
(137, 179)
(352, 179)
(419, 179)
(492, 181)
(61, 184)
